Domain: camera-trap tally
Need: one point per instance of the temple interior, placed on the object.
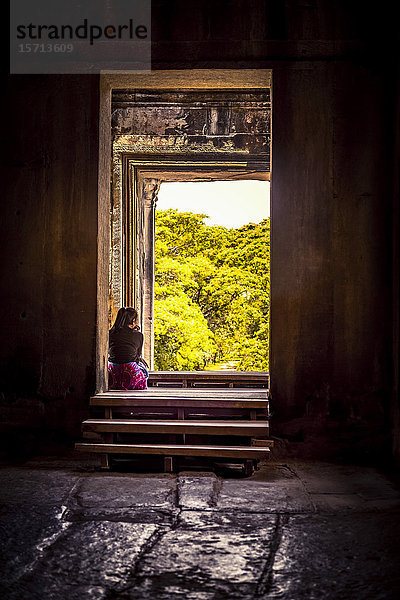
(304, 93)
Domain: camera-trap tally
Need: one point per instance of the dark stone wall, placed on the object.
(335, 174)
(331, 257)
(48, 241)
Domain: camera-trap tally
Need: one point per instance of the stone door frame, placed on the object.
(137, 181)
(211, 79)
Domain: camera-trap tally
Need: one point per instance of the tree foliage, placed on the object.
(211, 293)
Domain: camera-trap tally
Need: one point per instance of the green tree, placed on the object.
(212, 293)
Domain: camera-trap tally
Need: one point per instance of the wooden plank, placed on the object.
(223, 414)
(158, 392)
(104, 462)
(212, 389)
(188, 393)
(181, 402)
(175, 450)
(168, 464)
(249, 467)
(260, 442)
(186, 396)
(191, 414)
(204, 375)
(240, 428)
(210, 385)
(182, 393)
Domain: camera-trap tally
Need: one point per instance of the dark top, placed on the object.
(125, 345)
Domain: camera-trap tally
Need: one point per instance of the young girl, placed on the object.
(126, 368)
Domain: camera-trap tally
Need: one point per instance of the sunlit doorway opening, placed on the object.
(212, 276)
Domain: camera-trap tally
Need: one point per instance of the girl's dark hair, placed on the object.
(125, 316)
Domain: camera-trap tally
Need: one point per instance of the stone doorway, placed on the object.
(192, 126)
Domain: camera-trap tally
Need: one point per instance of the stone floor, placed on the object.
(292, 530)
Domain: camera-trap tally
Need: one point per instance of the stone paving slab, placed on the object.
(208, 492)
(327, 478)
(36, 486)
(334, 503)
(24, 535)
(334, 488)
(198, 491)
(208, 556)
(331, 557)
(126, 491)
(88, 561)
(125, 498)
(258, 496)
(124, 515)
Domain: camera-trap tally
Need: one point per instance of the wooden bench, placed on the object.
(134, 419)
(209, 379)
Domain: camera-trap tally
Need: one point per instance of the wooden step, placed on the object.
(253, 452)
(186, 412)
(228, 398)
(240, 428)
(193, 413)
(196, 392)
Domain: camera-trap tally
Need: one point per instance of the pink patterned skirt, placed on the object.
(126, 376)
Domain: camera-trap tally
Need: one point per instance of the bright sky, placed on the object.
(228, 203)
